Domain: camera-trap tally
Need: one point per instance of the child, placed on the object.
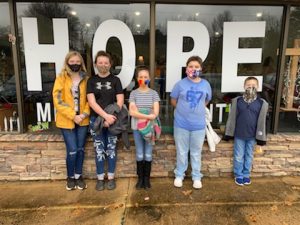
(190, 97)
(104, 89)
(247, 124)
(141, 101)
(72, 115)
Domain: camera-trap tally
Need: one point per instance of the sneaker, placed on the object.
(100, 185)
(70, 184)
(247, 181)
(197, 184)
(111, 184)
(239, 181)
(80, 184)
(178, 182)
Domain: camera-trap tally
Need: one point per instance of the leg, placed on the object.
(112, 159)
(139, 155)
(99, 145)
(196, 143)
(81, 140)
(238, 154)
(148, 163)
(248, 157)
(182, 140)
(69, 136)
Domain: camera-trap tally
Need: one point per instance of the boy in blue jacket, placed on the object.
(247, 124)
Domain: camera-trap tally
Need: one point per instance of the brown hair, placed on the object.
(194, 58)
(104, 54)
(67, 58)
(250, 78)
(141, 68)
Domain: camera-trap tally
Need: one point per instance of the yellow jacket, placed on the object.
(64, 102)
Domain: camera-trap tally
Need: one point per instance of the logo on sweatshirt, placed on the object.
(103, 86)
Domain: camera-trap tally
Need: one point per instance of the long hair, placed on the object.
(70, 55)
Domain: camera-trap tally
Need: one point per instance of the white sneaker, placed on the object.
(197, 184)
(178, 182)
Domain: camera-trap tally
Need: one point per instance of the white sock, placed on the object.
(77, 176)
(111, 176)
(100, 176)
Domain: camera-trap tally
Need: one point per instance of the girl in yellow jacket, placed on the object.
(72, 115)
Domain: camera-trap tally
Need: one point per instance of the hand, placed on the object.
(82, 116)
(110, 119)
(77, 119)
(105, 124)
(152, 116)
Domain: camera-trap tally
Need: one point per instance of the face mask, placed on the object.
(74, 67)
(193, 74)
(103, 69)
(144, 82)
(250, 94)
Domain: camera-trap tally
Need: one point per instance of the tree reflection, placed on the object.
(44, 12)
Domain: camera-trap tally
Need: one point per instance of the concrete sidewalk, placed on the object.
(266, 201)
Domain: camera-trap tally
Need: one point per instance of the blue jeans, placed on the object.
(75, 141)
(186, 141)
(143, 149)
(105, 147)
(243, 156)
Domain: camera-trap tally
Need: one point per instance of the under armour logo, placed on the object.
(105, 86)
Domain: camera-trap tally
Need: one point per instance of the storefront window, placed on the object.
(83, 21)
(289, 117)
(9, 120)
(216, 62)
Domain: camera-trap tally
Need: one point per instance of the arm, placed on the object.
(173, 102)
(60, 105)
(156, 108)
(120, 100)
(97, 108)
(134, 112)
(86, 111)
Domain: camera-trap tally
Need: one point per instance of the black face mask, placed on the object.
(74, 67)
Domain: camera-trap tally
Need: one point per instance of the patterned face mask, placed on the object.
(250, 95)
(103, 69)
(193, 74)
(144, 82)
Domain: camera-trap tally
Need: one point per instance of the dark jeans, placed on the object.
(75, 141)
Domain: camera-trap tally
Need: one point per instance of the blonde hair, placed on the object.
(70, 55)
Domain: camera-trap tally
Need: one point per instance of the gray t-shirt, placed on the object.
(142, 100)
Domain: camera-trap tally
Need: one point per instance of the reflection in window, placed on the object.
(289, 117)
(83, 21)
(213, 17)
(9, 120)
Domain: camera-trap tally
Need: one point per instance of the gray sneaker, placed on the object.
(100, 185)
(70, 184)
(80, 184)
(111, 184)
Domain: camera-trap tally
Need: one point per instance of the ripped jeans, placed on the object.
(105, 149)
(75, 141)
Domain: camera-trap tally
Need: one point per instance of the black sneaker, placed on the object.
(80, 184)
(111, 184)
(70, 184)
(100, 185)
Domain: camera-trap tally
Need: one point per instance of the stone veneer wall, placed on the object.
(42, 157)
